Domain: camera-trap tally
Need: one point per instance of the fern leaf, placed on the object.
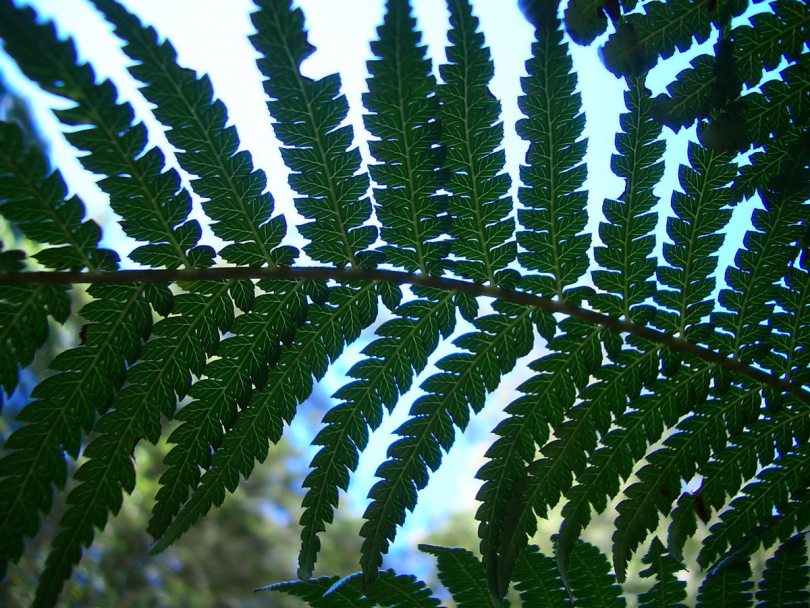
(591, 581)
(308, 114)
(689, 447)
(402, 116)
(462, 574)
(401, 351)
(766, 163)
(403, 591)
(769, 246)
(153, 205)
(625, 284)
(770, 38)
(470, 130)
(734, 465)
(782, 105)
(24, 315)
(255, 341)
(727, 588)
(509, 498)
(700, 213)
(314, 593)
(769, 491)
(626, 258)
(240, 209)
(627, 266)
(319, 341)
(64, 406)
(668, 591)
(462, 385)
(554, 170)
(754, 48)
(625, 445)
(577, 439)
(389, 590)
(181, 345)
(789, 357)
(786, 579)
(552, 245)
(662, 28)
(537, 580)
(36, 202)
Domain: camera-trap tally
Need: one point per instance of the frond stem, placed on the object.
(396, 277)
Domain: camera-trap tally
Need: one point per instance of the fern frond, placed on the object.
(463, 383)
(769, 39)
(662, 28)
(727, 588)
(401, 351)
(37, 204)
(400, 591)
(689, 447)
(255, 342)
(554, 213)
(591, 582)
(786, 580)
(389, 590)
(329, 328)
(308, 115)
(537, 580)
(403, 109)
(783, 104)
(734, 465)
(152, 204)
(759, 266)
(207, 148)
(770, 490)
(701, 211)
(182, 343)
(509, 498)
(24, 313)
(577, 439)
(625, 283)
(64, 407)
(625, 445)
(766, 163)
(554, 218)
(313, 591)
(585, 20)
(668, 591)
(471, 132)
(626, 258)
(462, 574)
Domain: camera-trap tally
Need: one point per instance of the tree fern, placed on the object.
(652, 371)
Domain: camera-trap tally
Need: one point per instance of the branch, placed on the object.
(301, 273)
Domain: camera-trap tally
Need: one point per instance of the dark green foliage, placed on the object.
(388, 590)
(668, 591)
(403, 107)
(654, 368)
(307, 115)
(591, 581)
(729, 587)
(461, 572)
(207, 148)
(471, 132)
(786, 582)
